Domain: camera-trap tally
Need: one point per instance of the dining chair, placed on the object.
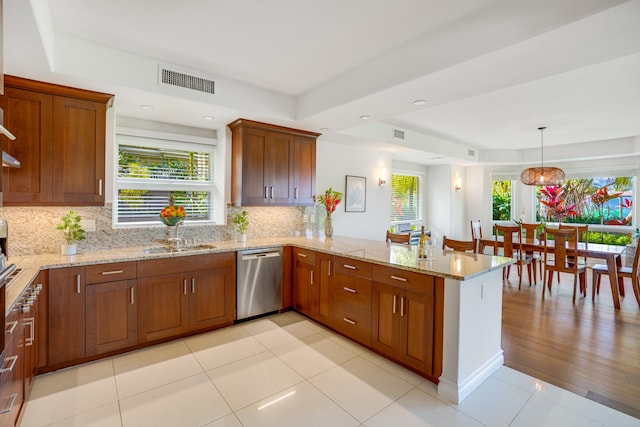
(476, 235)
(583, 234)
(630, 272)
(398, 237)
(565, 259)
(459, 245)
(530, 234)
(512, 248)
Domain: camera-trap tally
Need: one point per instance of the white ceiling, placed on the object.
(491, 71)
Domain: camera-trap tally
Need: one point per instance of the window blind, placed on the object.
(405, 197)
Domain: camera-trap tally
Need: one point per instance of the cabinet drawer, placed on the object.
(112, 272)
(404, 279)
(353, 267)
(184, 264)
(354, 291)
(352, 322)
(304, 256)
(12, 376)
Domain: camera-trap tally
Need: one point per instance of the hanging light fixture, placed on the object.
(542, 175)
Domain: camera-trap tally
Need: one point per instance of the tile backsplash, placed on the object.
(32, 230)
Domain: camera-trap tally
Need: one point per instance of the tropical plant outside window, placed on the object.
(150, 171)
(501, 195)
(405, 197)
(600, 200)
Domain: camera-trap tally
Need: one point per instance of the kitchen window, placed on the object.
(152, 169)
(405, 198)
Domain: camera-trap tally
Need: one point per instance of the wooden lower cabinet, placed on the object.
(212, 297)
(162, 307)
(324, 268)
(306, 295)
(66, 314)
(112, 316)
(13, 368)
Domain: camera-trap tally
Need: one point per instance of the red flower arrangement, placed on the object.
(330, 199)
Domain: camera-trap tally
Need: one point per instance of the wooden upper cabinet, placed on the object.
(60, 142)
(272, 165)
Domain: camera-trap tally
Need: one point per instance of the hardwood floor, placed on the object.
(588, 348)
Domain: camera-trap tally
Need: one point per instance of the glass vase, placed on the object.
(328, 227)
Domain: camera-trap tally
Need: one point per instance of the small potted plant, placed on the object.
(72, 231)
(241, 220)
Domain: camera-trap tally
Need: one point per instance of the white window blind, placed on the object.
(405, 197)
(150, 170)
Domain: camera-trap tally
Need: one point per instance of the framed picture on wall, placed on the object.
(355, 194)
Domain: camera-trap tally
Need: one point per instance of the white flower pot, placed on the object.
(242, 237)
(68, 249)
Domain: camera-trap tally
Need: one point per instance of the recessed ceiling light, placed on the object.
(207, 118)
(365, 117)
(146, 107)
(419, 102)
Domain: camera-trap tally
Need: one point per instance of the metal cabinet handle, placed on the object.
(193, 285)
(28, 341)
(401, 279)
(78, 279)
(312, 276)
(100, 187)
(402, 307)
(133, 299)
(329, 272)
(13, 398)
(266, 192)
(106, 273)
(11, 326)
(12, 363)
(349, 321)
(393, 309)
(303, 255)
(353, 291)
(350, 267)
(271, 192)
(184, 286)
(295, 196)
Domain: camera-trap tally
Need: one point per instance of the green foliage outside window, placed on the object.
(501, 195)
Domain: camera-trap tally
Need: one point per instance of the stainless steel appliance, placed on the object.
(5, 272)
(258, 282)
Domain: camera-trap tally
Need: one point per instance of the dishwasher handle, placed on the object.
(260, 255)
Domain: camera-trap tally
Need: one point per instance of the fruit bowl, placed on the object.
(171, 220)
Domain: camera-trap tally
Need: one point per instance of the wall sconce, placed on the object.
(382, 181)
(458, 184)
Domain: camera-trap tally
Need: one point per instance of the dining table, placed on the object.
(612, 254)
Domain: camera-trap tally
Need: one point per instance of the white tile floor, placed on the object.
(285, 370)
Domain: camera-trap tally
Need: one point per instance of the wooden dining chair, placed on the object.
(530, 235)
(630, 272)
(565, 259)
(476, 235)
(398, 237)
(512, 248)
(459, 245)
(583, 234)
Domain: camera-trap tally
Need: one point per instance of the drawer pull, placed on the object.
(13, 398)
(350, 267)
(301, 255)
(11, 326)
(401, 279)
(349, 321)
(353, 291)
(28, 342)
(106, 273)
(12, 363)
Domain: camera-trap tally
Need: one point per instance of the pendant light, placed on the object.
(542, 175)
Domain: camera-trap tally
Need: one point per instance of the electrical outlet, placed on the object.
(88, 224)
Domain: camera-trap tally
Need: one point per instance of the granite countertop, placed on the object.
(457, 266)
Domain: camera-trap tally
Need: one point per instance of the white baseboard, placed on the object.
(458, 392)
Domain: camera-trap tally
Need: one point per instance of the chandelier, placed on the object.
(542, 175)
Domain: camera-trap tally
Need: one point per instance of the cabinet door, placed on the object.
(278, 167)
(385, 319)
(66, 314)
(305, 289)
(30, 345)
(304, 171)
(29, 115)
(78, 151)
(324, 267)
(416, 331)
(162, 307)
(254, 151)
(12, 376)
(112, 316)
(212, 298)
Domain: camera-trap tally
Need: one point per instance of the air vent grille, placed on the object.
(176, 78)
(471, 153)
(398, 134)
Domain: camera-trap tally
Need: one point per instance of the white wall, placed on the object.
(335, 161)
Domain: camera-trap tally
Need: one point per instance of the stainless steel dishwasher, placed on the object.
(258, 282)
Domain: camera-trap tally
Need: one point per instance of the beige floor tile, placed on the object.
(105, 416)
(217, 348)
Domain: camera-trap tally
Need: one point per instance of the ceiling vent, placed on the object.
(176, 78)
(471, 153)
(398, 134)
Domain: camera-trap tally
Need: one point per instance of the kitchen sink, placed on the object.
(170, 249)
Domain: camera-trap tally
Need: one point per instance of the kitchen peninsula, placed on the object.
(441, 318)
